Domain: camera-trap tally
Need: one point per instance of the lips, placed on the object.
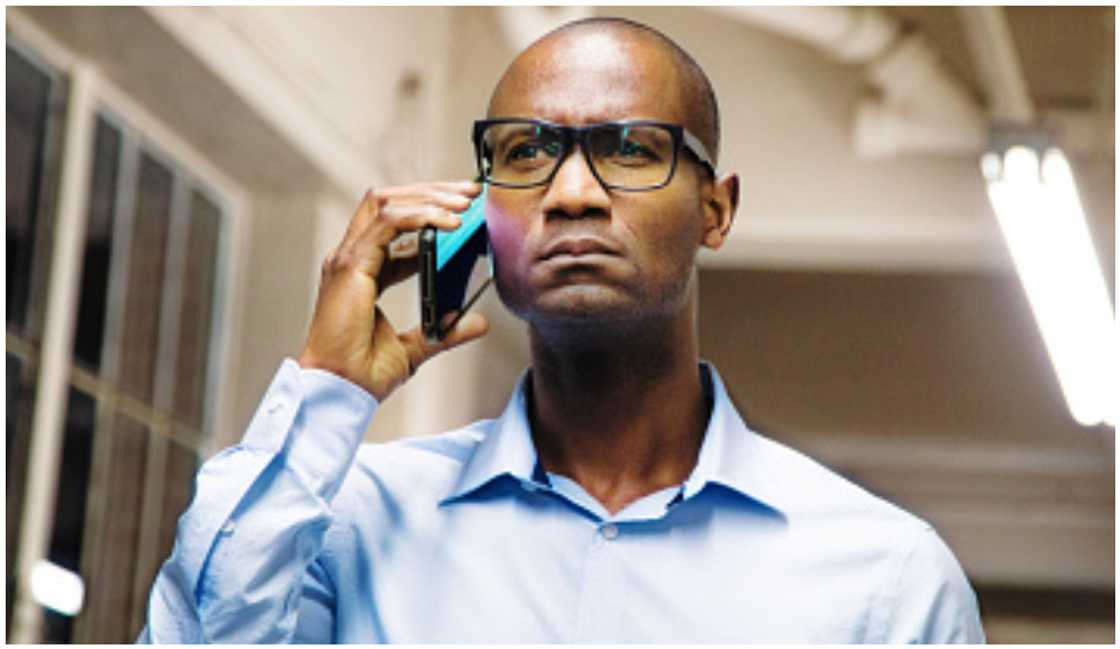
(578, 247)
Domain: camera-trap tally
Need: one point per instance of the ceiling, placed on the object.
(1066, 52)
(812, 201)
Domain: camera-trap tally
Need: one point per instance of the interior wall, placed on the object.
(951, 355)
(275, 308)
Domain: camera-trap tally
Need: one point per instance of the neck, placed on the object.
(620, 410)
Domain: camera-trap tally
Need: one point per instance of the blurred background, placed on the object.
(176, 175)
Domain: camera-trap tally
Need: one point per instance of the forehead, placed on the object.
(591, 77)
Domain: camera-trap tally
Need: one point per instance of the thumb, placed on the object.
(469, 327)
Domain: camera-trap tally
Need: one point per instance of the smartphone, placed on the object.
(454, 269)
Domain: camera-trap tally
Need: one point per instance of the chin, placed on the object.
(583, 303)
(580, 302)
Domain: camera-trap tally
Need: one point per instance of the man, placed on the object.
(619, 497)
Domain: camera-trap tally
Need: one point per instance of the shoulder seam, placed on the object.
(891, 602)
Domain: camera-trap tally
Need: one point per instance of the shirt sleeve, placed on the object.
(244, 567)
(933, 602)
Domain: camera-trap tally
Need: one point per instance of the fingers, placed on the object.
(448, 190)
(453, 196)
(348, 334)
(469, 327)
(406, 217)
(386, 214)
(435, 198)
(390, 365)
(362, 216)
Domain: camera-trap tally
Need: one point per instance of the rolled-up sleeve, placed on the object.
(245, 548)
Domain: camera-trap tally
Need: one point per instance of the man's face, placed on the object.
(572, 250)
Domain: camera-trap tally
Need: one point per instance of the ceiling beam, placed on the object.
(997, 60)
(919, 106)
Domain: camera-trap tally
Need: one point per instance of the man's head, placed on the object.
(573, 250)
(701, 108)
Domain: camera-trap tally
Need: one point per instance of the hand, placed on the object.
(349, 334)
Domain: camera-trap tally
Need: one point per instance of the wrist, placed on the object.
(308, 360)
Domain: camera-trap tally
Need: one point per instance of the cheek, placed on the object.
(507, 234)
(672, 234)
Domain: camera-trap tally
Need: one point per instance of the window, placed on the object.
(34, 101)
(143, 346)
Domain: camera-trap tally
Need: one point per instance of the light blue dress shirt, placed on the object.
(303, 533)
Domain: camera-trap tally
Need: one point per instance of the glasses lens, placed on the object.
(626, 156)
(520, 153)
(632, 156)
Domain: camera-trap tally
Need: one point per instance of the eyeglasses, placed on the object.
(634, 155)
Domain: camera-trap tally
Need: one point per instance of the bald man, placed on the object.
(619, 497)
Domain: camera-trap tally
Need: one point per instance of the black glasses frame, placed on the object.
(570, 135)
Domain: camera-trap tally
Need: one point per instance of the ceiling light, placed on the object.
(1034, 195)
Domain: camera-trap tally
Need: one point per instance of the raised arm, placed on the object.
(244, 567)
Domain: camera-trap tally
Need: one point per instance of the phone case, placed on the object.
(446, 261)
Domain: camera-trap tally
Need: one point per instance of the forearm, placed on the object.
(259, 515)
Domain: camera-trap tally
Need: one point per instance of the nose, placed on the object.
(575, 192)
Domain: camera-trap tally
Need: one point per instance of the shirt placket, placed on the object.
(603, 587)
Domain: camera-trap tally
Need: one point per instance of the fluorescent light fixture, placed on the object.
(1040, 215)
(57, 588)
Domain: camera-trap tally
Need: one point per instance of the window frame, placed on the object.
(141, 133)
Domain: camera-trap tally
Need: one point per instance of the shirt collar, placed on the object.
(731, 454)
(506, 449)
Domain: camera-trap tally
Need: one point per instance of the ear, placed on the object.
(719, 210)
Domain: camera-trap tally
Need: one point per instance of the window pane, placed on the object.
(89, 331)
(112, 567)
(196, 310)
(182, 464)
(73, 476)
(145, 279)
(19, 401)
(70, 502)
(28, 92)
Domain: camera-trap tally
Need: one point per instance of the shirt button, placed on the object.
(228, 527)
(529, 486)
(275, 406)
(609, 531)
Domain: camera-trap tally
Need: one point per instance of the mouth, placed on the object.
(578, 247)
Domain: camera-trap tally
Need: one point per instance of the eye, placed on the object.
(531, 150)
(630, 146)
(633, 149)
(629, 152)
(526, 151)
